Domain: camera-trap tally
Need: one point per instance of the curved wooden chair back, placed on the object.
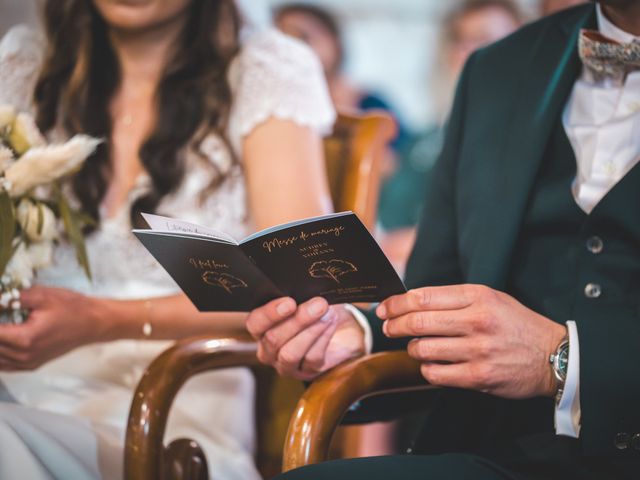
(354, 153)
(328, 399)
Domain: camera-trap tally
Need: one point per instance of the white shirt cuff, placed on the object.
(364, 324)
(568, 414)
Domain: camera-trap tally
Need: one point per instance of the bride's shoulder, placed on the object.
(273, 53)
(22, 40)
(21, 56)
(275, 75)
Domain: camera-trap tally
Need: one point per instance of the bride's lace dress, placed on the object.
(67, 419)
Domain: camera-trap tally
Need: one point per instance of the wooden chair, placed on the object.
(328, 399)
(354, 153)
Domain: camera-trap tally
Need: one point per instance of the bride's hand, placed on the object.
(60, 320)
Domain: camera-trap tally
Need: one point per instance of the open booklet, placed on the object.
(332, 256)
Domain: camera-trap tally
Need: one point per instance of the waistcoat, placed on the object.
(566, 265)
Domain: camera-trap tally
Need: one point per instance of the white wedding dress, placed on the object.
(67, 419)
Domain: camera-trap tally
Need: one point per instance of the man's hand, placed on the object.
(303, 341)
(473, 337)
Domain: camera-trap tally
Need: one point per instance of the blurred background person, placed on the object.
(198, 126)
(547, 7)
(470, 25)
(319, 28)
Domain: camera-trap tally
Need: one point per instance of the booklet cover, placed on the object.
(332, 256)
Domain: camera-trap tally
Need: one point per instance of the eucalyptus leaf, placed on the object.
(86, 219)
(7, 229)
(40, 225)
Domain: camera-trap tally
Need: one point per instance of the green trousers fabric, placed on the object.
(404, 467)
(557, 461)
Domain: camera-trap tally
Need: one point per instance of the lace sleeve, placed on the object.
(277, 76)
(21, 55)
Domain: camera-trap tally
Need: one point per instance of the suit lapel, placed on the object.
(555, 67)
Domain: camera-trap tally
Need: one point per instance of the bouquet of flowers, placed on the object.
(34, 211)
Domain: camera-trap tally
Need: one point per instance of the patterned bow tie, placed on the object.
(606, 57)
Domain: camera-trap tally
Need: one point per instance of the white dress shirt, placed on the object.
(602, 121)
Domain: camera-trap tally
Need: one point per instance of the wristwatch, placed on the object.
(559, 361)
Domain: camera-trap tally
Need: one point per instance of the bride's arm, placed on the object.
(286, 180)
(285, 172)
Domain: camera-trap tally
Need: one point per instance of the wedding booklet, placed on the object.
(332, 256)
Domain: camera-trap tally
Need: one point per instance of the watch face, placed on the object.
(563, 361)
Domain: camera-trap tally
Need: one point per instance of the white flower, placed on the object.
(43, 165)
(41, 254)
(20, 268)
(7, 116)
(6, 158)
(37, 220)
(5, 299)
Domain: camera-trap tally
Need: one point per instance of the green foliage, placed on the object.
(7, 229)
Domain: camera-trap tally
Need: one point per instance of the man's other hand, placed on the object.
(303, 341)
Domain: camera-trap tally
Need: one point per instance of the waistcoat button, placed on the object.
(622, 441)
(592, 290)
(595, 245)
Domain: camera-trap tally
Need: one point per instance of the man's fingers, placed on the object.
(477, 376)
(262, 319)
(315, 360)
(307, 314)
(452, 297)
(454, 375)
(440, 349)
(291, 355)
(445, 323)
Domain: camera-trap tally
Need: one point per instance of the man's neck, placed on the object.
(625, 15)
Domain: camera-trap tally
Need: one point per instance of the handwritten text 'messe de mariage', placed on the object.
(276, 243)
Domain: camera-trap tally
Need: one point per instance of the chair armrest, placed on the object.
(328, 398)
(146, 458)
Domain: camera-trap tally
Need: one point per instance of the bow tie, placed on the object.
(606, 57)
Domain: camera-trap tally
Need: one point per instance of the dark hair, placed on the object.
(322, 16)
(81, 74)
(471, 6)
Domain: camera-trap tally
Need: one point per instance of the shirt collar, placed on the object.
(608, 29)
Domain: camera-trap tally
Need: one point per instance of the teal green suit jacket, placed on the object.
(508, 99)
